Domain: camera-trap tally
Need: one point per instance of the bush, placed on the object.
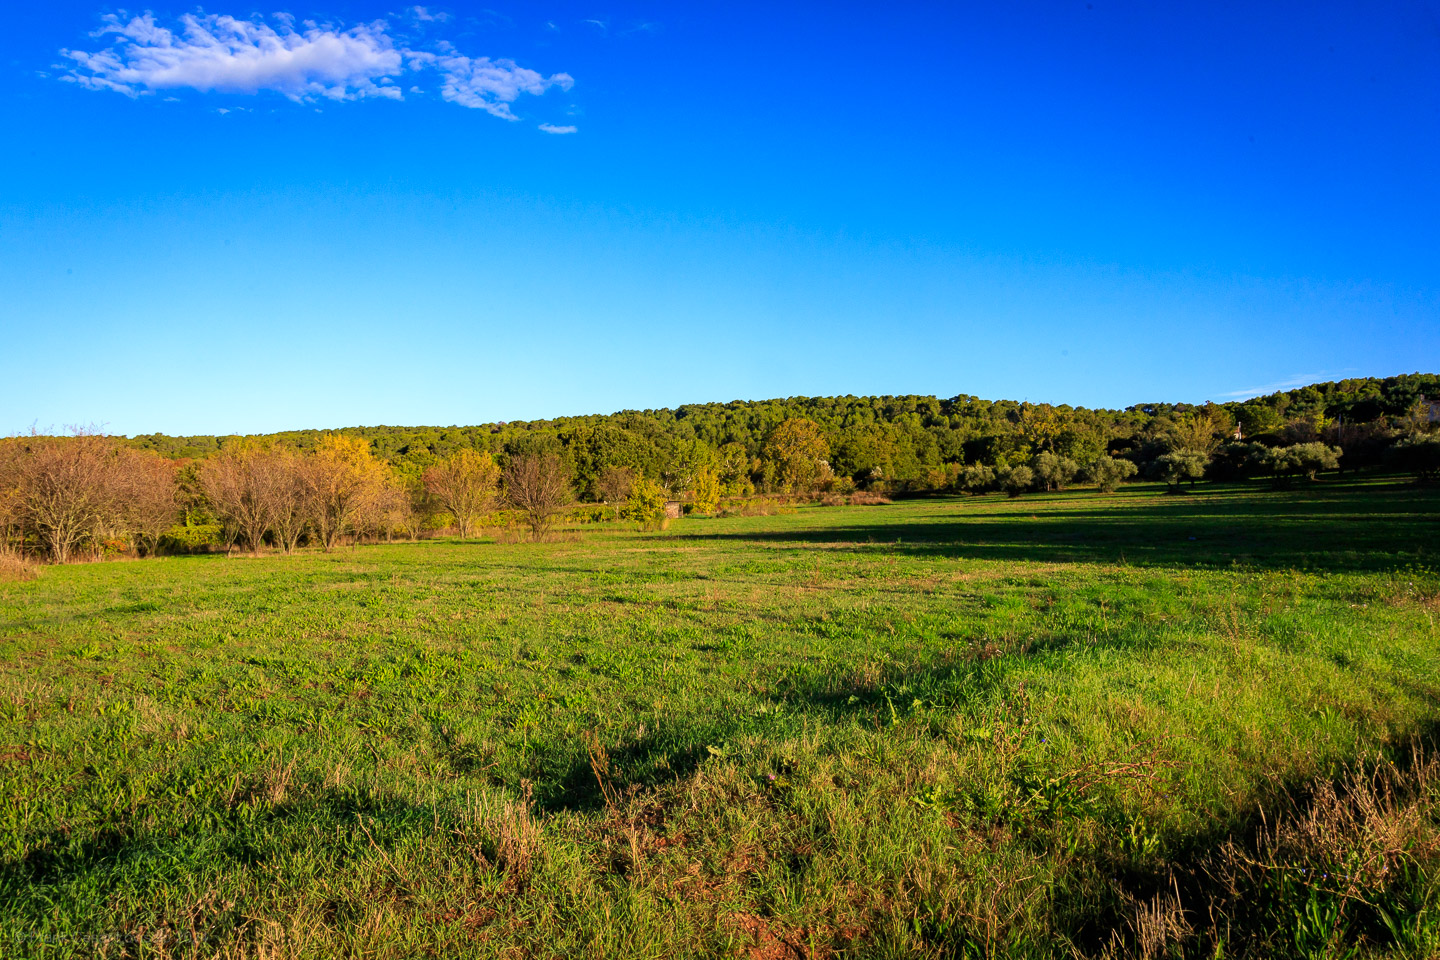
(192, 538)
(646, 505)
(1108, 472)
(15, 567)
(593, 513)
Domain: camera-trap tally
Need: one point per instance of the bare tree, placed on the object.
(238, 483)
(538, 484)
(393, 509)
(11, 528)
(146, 496)
(464, 486)
(615, 484)
(64, 489)
(285, 489)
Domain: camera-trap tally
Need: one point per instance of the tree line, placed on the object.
(63, 497)
(93, 493)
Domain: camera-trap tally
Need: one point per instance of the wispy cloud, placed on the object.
(1289, 383)
(425, 16)
(552, 128)
(492, 85)
(306, 63)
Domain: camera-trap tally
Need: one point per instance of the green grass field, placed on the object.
(1070, 724)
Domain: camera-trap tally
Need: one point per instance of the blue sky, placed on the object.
(318, 216)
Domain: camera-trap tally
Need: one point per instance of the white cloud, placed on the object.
(551, 128)
(491, 85)
(211, 53)
(221, 53)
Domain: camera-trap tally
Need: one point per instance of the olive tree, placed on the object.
(1108, 472)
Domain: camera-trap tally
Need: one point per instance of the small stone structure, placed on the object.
(673, 509)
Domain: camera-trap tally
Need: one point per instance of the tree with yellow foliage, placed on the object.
(799, 454)
(344, 480)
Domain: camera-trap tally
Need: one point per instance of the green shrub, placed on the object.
(646, 505)
(192, 538)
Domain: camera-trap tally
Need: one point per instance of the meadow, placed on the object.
(1068, 724)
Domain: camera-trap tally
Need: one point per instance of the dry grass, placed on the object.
(14, 567)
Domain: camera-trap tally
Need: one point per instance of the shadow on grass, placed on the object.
(129, 862)
(1313, 867)
(1343, 527)
(564, 777)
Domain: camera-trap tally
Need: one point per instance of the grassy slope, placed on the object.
(929, 728)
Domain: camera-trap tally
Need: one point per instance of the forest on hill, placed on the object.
(903, 443)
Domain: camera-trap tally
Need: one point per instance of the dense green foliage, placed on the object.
(911, 442)
(1087, 725)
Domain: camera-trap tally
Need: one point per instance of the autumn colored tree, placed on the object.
(538, 483)
(146, 496)
(395, 508)
(343, 482)
(65, 490)
(10, 471)
(239, 482)
(1202, 431)
(705, 490)
(464, 486)
(797, 452)
(287, 493)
